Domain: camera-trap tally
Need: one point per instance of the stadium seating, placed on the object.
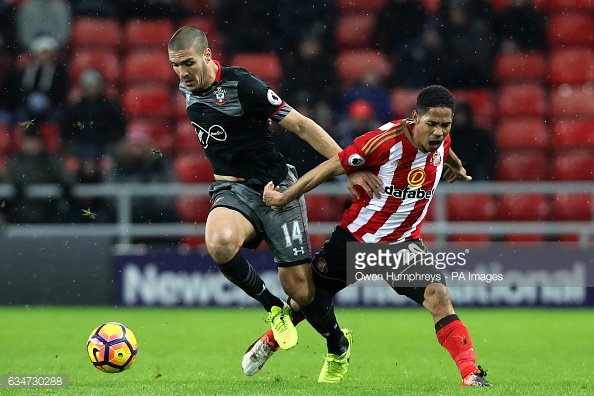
(352, 63)
(471, 207)
(540, 5)
(573, 164)
(205, 23)
(265, 65)
(403, 100)
(147, 101)
(153, 33)
(158, 129)
(523, 207)
(369, 7)
(571, 65)
(482, 102)
(524, 238)
(50, 131)
(145, 66)
(572, 101)
(558, 6)
(354, 31)
(522, 100)
(191, 168)
(572, 207)
(95, 33)
(522, 132)
(193, 208)
(202, 7)
(520, 67)
(573, 133)
(566, 29)
(473, 238)
(523, 165)
(104, 60)
(325, 208)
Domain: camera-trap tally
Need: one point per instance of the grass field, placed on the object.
(198, 352)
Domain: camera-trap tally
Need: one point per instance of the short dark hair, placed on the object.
(434, 96)
(188, 37)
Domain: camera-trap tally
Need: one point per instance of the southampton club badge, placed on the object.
(436, 159)
(219, 94)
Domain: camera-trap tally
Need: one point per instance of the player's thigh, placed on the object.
(228, 226)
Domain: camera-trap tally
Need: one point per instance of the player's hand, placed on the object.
(272, 197)
(368, 181)
(452, 174)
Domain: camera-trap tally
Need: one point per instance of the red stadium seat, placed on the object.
(193, 208)
(431, 6)
(572, 101)
(5, 139)
(147, 33)
(104, 60)
(570, 29)
(522, 100)
(186, 140)
(191, 168)
(202, 7)
(267, 66)
(482, 103)
(157, 129)
(147, 101)
(471, 207)
(351, 64)
(95, 33)
(359, 6)
(523, 165)
(573, 133)
(317, 241)
(325, 207)
(142, 66)
(520, 67)
(523, 207)
(205, 23)
(403, 100)
(354, 31)
(557, 6)
(573, 165)
(50, 131)
(572, 207)
(522, 132)
(571, 65)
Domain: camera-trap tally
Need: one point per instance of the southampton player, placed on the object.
(408, 156)
(230, 109)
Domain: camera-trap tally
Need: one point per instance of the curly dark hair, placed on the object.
(434, 96)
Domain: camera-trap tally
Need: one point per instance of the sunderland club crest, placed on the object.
(436, 159)
(219, 94)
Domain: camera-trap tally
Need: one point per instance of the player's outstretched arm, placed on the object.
(455, 170)
(327, 169)
(312, 133)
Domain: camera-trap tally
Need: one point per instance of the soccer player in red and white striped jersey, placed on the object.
(408, 158)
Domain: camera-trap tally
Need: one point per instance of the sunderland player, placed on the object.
(408, 156)
(230, 109)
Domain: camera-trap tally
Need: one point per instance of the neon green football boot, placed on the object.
(335, 367)
(282, 326)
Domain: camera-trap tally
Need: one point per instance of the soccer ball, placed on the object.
(112, 347)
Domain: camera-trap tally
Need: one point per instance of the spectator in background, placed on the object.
(299, 16)
(359, 121)
(474, 144)
(421, 60)
(89, 209)
(249, 26)
(136, 161)
(33, 164)
(519, 27)
(37, 18)
(398, 22)
(310, 78)
(470, 45)
(94, 124)
(372, 88)
(39, 90)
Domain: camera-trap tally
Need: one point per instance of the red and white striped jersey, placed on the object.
(410, 178)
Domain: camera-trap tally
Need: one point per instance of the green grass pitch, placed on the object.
(395, 352)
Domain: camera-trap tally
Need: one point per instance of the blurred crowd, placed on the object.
(95, 139)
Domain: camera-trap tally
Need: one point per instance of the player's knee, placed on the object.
(437, 297)
(222, 246)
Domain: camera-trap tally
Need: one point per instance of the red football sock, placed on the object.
(297, 317)
(454, 336)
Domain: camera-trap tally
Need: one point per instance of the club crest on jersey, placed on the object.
(273, 98)
(321, 264)
(356, 160)
(435, 159)
(219, 94)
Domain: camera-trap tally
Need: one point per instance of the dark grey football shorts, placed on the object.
(285, 232)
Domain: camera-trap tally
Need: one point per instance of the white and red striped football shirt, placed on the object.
(410, 178)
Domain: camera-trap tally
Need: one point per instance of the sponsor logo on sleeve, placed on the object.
(273, 98)
(356, 160)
